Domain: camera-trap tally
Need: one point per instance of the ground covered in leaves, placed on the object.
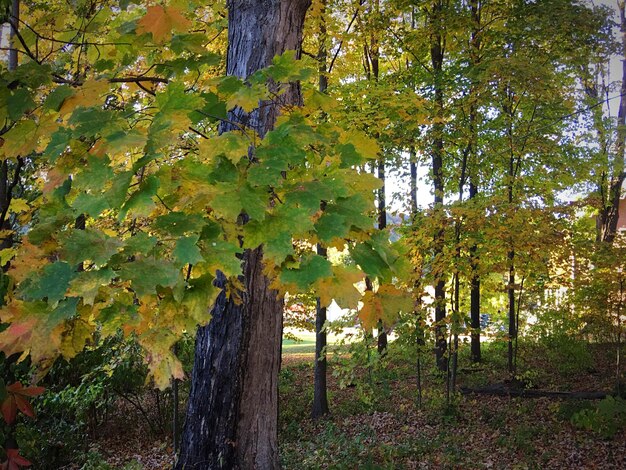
(375, 422)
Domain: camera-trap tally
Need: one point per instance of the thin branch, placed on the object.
(21, 39)
(356, 13)
(204, 136)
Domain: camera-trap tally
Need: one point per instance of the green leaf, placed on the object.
(279, 246)
(91, 204)
(174, 100)
(95, 121)
(140, 203)
(59, 143)
(19, 102)
(312, 268)
(51, 283)
(286, 68)
(139, 243)
(186, 251)
(189, 42)
(95, 174)
(234, 199)
(331, 226)
(88, 244)
(87, 284)
(55, 98)
(118, 315)
(221, 255)
(179, 223)
(370, 260)
(146, 274)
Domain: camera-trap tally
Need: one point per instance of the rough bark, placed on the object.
(232, 412)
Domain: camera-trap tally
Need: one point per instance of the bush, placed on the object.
(76, 403)
(606, 419)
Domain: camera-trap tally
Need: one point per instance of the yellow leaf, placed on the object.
(75, 337)
(248, 97)
(164, 368)
(385, 304)
(367, 147)
(232, 145)
(31, 258)
(7, 255)
(20, 140)
(18, 205)
(340, 287)
(90, 93)
(161, 21)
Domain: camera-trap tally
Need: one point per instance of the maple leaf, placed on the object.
(340, 287)
(15, 460)
(385, 304)
(312, 268)
(161, 21)
(89, 94)
(17, 400)
(13, 339)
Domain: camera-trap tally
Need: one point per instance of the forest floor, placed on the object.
(375, 422)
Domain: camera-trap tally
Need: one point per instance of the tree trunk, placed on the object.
(382, 224)
(512, 317)
(475, 44)
(437, 47)
(232, 411)
(320, 395)
(610, 211)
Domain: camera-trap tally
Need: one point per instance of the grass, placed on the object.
(305, 344)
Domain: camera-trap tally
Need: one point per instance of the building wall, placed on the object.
(621, 221)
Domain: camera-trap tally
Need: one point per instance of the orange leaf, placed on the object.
(161, 21)
(15, 460)
(24, 406)
(9, 409)
(31, 391)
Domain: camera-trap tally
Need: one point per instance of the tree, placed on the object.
(233, 403)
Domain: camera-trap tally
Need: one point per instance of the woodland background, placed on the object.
(444, 177)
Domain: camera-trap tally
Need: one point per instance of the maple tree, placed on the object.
(125, 136)
(169, 165)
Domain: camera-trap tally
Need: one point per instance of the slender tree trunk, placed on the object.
(475, 44)
(320, 396)
(413, 190)
(437, 48)
(382, 224)
(8, 183)
(232, 412)
(610, 212)
(417, 300)
(474, 293)
(372, 70)
(511, 295)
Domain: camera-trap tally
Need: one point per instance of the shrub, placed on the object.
(606, 419)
